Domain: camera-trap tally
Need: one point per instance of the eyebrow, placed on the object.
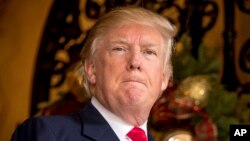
(144, 44)
(119, 41)
(149, 44)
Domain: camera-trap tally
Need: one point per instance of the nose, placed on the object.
(134, 61)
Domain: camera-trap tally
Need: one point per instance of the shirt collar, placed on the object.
(119, 126)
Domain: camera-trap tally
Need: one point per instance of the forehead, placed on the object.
(133, 32)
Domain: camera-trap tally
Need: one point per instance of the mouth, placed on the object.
(133, 81)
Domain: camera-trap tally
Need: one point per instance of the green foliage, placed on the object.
(243, 110)
(220, 107)
(223, 123)
(186, 65)
(221, 104)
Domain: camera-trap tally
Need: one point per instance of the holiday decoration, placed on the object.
(206, 130)
(194, 90)
(178, 135)
(197, 102)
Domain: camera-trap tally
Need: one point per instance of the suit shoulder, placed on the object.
(60, 120)
(60, 123)
(48, 127)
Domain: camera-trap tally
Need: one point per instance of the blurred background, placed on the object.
(41, 74)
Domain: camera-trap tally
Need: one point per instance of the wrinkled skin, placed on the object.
(126, 74)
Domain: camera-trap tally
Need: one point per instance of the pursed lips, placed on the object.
(134, 81)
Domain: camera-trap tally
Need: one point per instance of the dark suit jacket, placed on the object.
(88, 125)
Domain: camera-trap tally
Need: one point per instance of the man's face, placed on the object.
(127, 69)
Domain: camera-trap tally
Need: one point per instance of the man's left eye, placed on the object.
(150, 52)
(118, 49)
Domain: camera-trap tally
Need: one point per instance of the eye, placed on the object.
(150, 52)
(118, 49)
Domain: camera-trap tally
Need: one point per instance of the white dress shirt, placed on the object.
(119, 126)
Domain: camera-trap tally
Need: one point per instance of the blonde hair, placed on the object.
(126, 15)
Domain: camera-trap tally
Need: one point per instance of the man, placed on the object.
(127, 66)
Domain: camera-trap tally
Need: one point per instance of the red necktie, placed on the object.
(137, 134)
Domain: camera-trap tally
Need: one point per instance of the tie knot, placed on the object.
(137, 134)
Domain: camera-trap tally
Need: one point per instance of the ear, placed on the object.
(165, 80)
(89, 69)
(166, 75)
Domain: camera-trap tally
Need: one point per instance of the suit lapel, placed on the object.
(150, 138)
(94, 126)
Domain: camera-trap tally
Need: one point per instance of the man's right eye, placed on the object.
(118, 49)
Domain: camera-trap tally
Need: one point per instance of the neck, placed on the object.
(134, 117)
(131, 116)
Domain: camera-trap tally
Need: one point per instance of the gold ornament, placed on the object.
(179, 135)
(195, 90)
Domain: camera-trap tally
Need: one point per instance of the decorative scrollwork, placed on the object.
(244, 60)
(244, 56)
(210, 10)
(92, 9)
(199, 10)
(242, 4)
(59, 48)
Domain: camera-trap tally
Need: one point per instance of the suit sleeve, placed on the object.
(33, 129)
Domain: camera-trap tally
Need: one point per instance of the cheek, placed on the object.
(109, 69)
(156, 77)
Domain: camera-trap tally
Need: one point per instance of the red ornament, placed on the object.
(206, 130)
